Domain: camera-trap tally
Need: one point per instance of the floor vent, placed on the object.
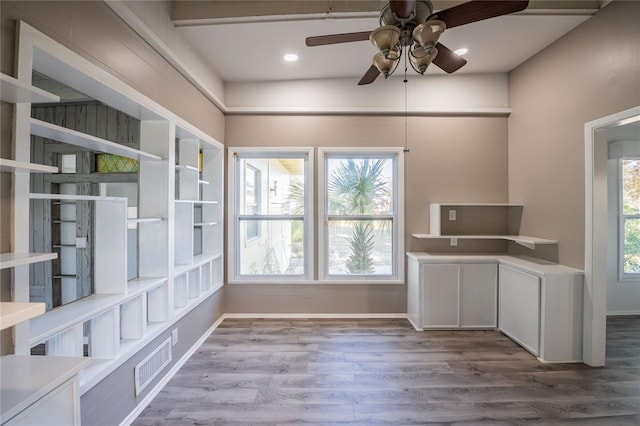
(152, 365)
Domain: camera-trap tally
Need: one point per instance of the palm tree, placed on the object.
(357, 187)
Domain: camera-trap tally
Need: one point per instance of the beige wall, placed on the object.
(592, 72)
(93, 30)
(452, 159)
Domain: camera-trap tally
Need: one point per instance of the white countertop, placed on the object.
(26, 379)
(530, 264)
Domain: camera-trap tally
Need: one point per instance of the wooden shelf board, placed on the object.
(72, 197)
(140, 285)
(12, 166)
(184, 167)
(73, 137)
(203, 182)
(10, 260)
(16, 91)
(26, 379)
(144, 219)
(12, 313)
(200, 224)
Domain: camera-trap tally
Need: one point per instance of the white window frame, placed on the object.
(622, 217)
(397, 277)
(233, 228)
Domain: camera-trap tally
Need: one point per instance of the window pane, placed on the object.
(278, 251)
(362, 247)
(632, 246)
(631, 186)
(271, 186)
(360, 186)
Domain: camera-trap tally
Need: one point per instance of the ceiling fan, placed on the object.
(411, 25)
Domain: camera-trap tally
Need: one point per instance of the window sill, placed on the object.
(263, 281)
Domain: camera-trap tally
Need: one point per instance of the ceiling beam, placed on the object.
(209, 12)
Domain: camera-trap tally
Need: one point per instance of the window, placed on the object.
(361, 214)
(270, 234)
(630, 218)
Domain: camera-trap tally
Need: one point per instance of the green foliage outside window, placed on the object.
(631, 213)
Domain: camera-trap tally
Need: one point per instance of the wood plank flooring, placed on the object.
(365, 372)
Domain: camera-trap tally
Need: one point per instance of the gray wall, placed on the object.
(452, 159)
(591, 72)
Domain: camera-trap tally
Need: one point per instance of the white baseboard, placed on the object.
(312, 316)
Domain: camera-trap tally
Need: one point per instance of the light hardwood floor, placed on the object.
(273, 372)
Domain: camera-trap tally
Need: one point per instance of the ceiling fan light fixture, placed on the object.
(386, 39)
(421, 58)
(429, 33)
(385, 65)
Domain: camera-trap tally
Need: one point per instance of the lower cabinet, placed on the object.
(459, 295)
(519, 310)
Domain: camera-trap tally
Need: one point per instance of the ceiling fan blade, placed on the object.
(448, 60)
(478, 10)
(370, 76)
(337, 38)
(403, 9)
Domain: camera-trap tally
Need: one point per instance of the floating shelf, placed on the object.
(16, 91)
(184, 167)
(203, 182)
(12, 313)
(530, 242)
(12, 166)
(10, 260)
(199, 224)
(144, 219)
(73, 137)
(73, 197)
(196, 202)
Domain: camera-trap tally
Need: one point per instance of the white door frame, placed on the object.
(595, 262)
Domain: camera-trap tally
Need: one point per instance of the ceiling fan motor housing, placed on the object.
(424, 9)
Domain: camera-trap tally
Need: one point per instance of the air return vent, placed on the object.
(152, 365)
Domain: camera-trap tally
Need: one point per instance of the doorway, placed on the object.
(596, 231)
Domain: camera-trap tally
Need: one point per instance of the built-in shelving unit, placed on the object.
(479, 221)
(179, 205)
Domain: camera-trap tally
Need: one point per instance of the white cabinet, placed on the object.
(542, 311)
(520, 307)
(537, 304)
(457, 295)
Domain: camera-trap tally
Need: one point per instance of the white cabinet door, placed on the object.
(441, 295)
(519, 312)
(478, 295)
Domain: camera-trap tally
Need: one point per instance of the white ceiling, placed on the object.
(253, 51)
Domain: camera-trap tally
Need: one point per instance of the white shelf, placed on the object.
(73, 137)
(203, 182)
(140, 285)
(12, 313)
(26, 379)
(200, 224)
(10, 260)
(15, 91)
(520, 239)
(196, 202)
(184, 168)
(144, 219)
(12, 166)
(479, 204)
(73, 197)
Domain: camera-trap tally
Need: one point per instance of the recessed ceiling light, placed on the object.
(461, 51)
(290, 57)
